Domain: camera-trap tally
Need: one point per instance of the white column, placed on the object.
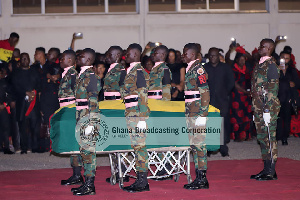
(74, 6)
(43, 9)
(106, 6)
(142, 14)
(236, 5)
(274, 17)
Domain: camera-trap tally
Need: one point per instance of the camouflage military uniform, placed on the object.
(114, 82)
(160, 82)
(66, 97)
(266, 77)
(136, 85)
(196, 104)
(87, 88)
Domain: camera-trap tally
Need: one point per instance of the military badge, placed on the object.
(200, 71)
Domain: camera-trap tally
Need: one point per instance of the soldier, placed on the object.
(136, 85)
(160, 76)
(160, 88)
(114, 79)
(87, 88)
(66, 96)
(114, 82)
(196, 109)
(264, 90)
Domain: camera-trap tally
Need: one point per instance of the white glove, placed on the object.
(141, 125)
(267, 118)
(88, 130)
(200, 121)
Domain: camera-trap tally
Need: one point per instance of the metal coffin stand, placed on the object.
(177, 157)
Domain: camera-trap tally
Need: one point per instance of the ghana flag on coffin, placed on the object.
(168, 115)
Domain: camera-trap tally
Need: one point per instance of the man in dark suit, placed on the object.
(220, 82)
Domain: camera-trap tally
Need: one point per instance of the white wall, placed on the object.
(174, 30)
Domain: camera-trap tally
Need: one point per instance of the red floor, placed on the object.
(227, 179)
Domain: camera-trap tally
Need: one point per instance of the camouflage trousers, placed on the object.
(268, 146)
(138, 143)
(88, 154)
(76, 160)
(197, 142)
(89, 161)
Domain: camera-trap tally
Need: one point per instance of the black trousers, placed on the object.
(284, 122)
(4, 129)
(14, 129)
(30, 130)
(227, 126)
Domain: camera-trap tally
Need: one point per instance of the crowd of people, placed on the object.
(29, 90)
(258, 88)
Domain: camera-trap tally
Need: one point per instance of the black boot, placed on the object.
(224, 150)
(200, 182)
(285, 142)
(140, 185)
(88, 188)
(164, 172)
(270, 172)
(76, 178)
(8, 151)
(256, 176)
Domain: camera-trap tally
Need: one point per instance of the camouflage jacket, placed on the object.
(136, 83)
(87, 87)
(265, 77)
(196, 82)
(114, 79)
(160, 79)
(67, 86)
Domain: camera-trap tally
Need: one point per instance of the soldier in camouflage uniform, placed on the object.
(87, 88)
(114, 83)
(264, 90)
(160, 75)
(160, 88)
(66, 97)
(114, 79)
(196, 109)
(136, 85)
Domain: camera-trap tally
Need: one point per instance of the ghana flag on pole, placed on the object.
(6, 50)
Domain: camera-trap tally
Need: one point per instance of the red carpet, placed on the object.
(227, 179)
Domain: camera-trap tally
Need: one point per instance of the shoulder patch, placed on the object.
(272, 72)
(141, 80)
(200, 71)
